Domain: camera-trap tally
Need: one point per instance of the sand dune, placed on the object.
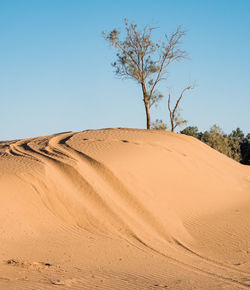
(122, 209)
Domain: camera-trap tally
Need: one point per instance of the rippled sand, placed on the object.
(122, 209)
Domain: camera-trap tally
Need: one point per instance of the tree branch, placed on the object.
(178, 101)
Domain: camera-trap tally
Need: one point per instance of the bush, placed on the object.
(229, 145)
(158, 125)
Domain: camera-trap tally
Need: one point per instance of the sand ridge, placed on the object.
(138, 209)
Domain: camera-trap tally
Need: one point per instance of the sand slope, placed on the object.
(122, 209)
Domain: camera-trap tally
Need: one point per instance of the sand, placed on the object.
(122, 209)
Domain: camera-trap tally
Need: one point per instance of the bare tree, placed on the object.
(143, 60)
(174, 114)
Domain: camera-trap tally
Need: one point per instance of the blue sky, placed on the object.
(55, 72)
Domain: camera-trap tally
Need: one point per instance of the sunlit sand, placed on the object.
(122, 209)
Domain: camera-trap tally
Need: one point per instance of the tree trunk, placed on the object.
(147, 114)
(146, 103)
(172, 125)
(172, 121)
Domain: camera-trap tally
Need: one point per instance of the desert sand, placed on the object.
(122, 209)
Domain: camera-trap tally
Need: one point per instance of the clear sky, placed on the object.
(55, 72)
